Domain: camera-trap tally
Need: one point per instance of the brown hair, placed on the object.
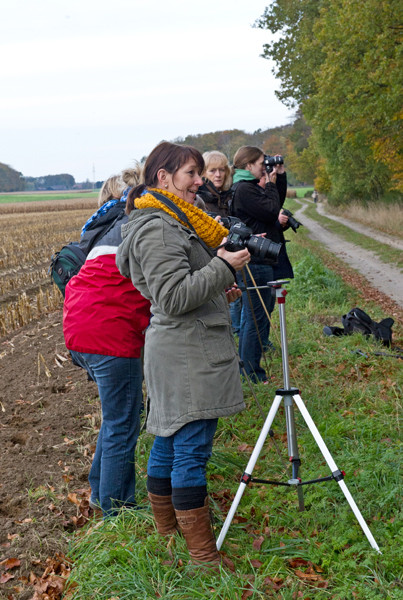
(168, 156)
(245, 155)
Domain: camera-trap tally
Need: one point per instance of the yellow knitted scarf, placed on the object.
(206, 228)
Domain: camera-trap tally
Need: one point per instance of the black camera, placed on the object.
(293, 223)
(240, 237)
(227, 222)
(272, 161)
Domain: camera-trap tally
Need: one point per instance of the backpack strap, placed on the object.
(231, 206)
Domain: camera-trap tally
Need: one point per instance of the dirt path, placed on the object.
(384, 277)
(384, 238)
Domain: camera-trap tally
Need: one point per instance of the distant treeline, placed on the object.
(14, 181)
(284, 140)
(278, 140)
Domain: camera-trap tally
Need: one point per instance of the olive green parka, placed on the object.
(191, 365)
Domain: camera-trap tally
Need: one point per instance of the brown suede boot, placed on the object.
(195, 525)
(164, 514)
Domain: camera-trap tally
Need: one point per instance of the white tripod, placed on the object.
(291, 395)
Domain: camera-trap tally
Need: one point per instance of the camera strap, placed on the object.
(180, 214)
(171, 205)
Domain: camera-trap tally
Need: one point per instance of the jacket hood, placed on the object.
(137, 219)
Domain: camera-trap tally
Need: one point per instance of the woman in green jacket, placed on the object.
(190, 362)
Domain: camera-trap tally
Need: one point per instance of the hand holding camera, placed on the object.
(238, 259)
(293, 223)
(241, 236)
(274, 163)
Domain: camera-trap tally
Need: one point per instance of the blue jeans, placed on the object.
(183, 456)
(112, 475)
(250, 341)
(235, 309)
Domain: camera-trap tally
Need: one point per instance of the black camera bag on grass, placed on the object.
(358, 321)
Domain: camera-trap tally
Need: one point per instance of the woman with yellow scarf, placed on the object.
(169, 250)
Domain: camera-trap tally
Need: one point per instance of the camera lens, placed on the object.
(260, 247)
(294, 224)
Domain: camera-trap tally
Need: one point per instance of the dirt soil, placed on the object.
(48, 418)
(49, 414)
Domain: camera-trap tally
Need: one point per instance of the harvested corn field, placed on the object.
(29, 238)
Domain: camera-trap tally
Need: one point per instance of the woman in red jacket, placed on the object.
(104, 322)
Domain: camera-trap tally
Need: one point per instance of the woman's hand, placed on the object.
(280, 169)
(283, 219)
(233, 293)
(237, 260)
(271, 177)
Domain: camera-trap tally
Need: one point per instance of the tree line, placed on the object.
(278, 140)
(284, 139)
(14, 181)
(340, 63)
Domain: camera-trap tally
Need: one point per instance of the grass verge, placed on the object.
(277, 551)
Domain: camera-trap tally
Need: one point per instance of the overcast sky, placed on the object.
(89, 86)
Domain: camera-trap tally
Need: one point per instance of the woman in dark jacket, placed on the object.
(260, 209)
(215, 191)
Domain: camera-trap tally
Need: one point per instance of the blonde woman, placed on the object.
(111, 189)
(104, 321)
(215, 191)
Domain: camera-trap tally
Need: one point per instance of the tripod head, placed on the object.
(276, 286)
(278, 290)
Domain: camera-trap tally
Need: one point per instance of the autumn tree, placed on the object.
(10, 179)
(341, 63)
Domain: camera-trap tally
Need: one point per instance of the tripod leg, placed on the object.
(333, 467)
(249, 469)
(293, 448)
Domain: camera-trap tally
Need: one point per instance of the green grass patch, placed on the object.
(279, 552)
(303, 192)
(51, 197)
(384, 252)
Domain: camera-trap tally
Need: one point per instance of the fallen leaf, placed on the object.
(305, 575)
(10, 563)
(72, 497)
(257, 543)
(256, 563)
(299, 562)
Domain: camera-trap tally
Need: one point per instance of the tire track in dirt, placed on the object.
(385, 277)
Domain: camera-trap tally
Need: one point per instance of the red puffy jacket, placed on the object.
(103, 312)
